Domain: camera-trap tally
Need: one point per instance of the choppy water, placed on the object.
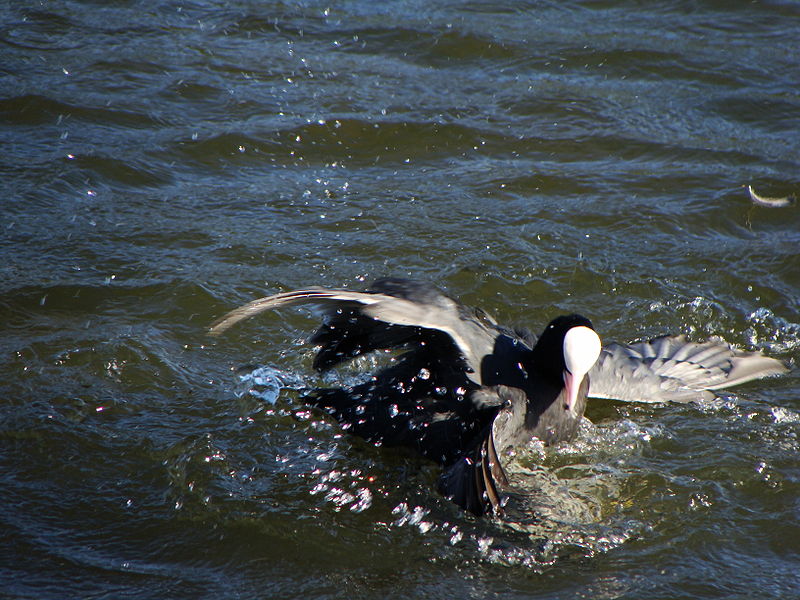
(165, 162)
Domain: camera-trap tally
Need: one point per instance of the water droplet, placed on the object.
(364, 497)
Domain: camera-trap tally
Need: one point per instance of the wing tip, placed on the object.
(751, 366)
(219, 326)
(260, 305)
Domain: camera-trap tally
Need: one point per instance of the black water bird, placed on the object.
(467, 390)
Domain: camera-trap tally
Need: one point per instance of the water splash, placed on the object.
(772, 333)
(705, 318)
(266, 383)
(784, 415)
(413, 516)
(563, 501)
(345, 489)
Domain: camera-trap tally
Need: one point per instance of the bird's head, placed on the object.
(568, 348)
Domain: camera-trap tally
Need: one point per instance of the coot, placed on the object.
(466, 390)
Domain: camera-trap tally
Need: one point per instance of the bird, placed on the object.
(466, 391)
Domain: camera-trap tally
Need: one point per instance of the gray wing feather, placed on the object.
(310, 296)
(673, 369)
(473, 339)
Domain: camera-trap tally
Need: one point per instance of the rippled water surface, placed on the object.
(163, 162)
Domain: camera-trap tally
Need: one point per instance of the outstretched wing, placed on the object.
(673, 369)
(394, 302)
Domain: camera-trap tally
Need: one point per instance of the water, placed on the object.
(165, 162)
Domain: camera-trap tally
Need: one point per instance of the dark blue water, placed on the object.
(165, 162)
